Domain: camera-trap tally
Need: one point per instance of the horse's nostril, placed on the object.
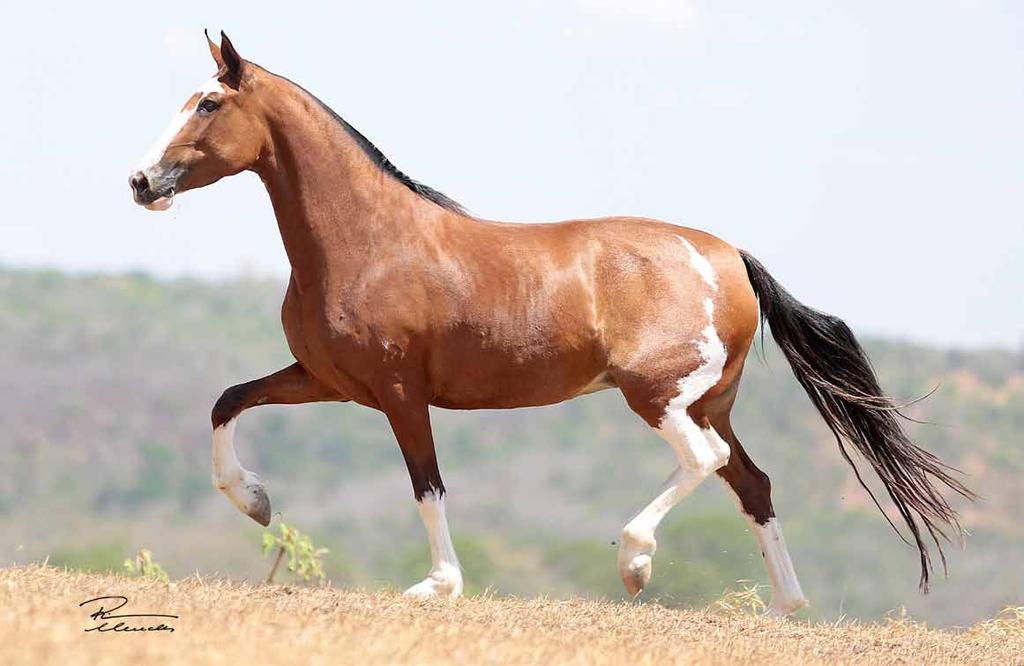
(139, 183)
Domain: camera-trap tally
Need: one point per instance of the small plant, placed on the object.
(144, 566)
(745, 601)
(304, 559)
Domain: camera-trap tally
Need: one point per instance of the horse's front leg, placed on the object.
(410, 420)
(290, 386)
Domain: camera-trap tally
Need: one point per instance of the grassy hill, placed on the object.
(106, 384)
(221, 622)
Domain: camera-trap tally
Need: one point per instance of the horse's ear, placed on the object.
(233, 62)
(214, 51)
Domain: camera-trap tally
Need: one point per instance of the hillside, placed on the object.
(106, 384)
(221, 622)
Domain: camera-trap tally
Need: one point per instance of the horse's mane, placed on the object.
(382, 161)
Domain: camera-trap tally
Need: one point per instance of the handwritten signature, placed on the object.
(103, 615)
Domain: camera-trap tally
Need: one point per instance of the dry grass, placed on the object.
(229, 623)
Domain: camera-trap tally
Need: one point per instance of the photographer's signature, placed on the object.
(108, 621)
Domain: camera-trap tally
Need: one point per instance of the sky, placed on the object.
(871, 156)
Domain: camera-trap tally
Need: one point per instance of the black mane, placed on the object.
(383, 162)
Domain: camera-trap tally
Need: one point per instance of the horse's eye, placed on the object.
(208, 106)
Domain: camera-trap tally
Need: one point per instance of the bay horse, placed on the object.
(400, 300)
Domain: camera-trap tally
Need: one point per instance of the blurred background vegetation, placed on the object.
(106, 384)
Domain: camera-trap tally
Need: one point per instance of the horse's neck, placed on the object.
(333, 204)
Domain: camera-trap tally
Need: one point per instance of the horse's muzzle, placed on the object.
(146, 194)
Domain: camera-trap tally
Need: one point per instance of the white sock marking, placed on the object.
(787, 596)
(226, 467)
(786, 593)
(445, 577)
(229, 476)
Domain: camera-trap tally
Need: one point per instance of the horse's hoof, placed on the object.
(636, 557)
(441, 584)
(781, 609)
(637, 574)
(259, 506)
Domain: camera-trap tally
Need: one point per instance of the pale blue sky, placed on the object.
(872, 157)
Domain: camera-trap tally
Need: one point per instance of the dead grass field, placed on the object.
(232, 623)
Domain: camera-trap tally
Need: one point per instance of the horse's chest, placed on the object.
(325, 343)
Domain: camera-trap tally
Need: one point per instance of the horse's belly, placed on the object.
(481, 378)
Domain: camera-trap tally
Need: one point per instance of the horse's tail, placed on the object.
(837, 375)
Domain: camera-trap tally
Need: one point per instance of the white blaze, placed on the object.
(159, 147)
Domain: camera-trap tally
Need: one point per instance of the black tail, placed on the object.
(834, 370)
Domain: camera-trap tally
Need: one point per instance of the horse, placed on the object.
(400, 300)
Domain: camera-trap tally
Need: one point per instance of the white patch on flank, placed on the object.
(700, 452)
(701, 264)
(156, 151)
(701, 380)
(229, 476)
(445, 577)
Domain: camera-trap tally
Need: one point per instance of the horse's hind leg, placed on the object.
(752, 489)
(290, 386)
(700, 452)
